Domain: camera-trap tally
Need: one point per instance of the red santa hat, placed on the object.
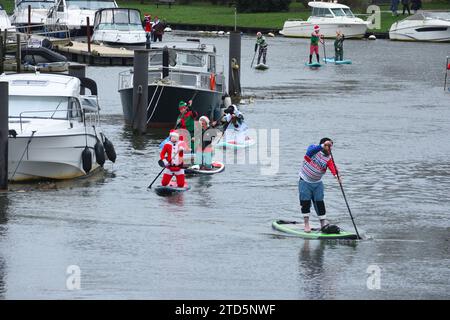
(316, 28)
(174, 133)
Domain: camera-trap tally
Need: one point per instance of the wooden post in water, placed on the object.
(234, 71)
(88, 34)
(18, 54)
(2, 54)
(4, 129)
(29, 19)
(165, 62)
(140, 91)
(78, 71)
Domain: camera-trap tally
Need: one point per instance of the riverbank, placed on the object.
(208, 17)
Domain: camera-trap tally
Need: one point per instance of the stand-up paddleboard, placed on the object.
(331, 60)
(313, 65)
(171, 189)
(233, 144)
(261, 66)
(217, 167)
(296, 228)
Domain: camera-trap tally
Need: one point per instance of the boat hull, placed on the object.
(422, 32)
(48, 157)
(165, 113)
(303, 29)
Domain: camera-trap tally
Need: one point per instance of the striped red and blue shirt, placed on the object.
(315, 164)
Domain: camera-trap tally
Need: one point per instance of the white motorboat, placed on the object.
(74, 13)
(119, 26)
(422, 26)
(5, 23)
(329, 17)
(38, 16)
(54, 130)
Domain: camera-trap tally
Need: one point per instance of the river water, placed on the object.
(390, 120)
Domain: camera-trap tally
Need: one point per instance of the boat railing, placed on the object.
(201, 80)
(68, 117)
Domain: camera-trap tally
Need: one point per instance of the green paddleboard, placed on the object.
(296, 228)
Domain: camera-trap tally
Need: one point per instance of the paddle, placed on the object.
(343, 193)
(251, 65)
(324, 52)
(150, 186)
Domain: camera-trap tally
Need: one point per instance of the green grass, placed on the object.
(203, 13)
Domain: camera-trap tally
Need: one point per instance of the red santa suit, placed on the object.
(172, 156)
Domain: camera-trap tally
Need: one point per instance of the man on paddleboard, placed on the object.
(171, 157)
(310, 185)
(316, 37)
(186, 120)
(339, 46)
(262, 43)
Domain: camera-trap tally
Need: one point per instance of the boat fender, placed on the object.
(86, 158)
(109, 148)
(99, 153)
(372, 37)
(212, 81)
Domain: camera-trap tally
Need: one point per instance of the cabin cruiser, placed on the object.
(329, 17)
(39, 10)
(74, 13)
(54, 131)
(178, 71)
(422, 26)
(5, 23)
(119, 26)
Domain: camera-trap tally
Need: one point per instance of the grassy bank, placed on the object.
(207, 14)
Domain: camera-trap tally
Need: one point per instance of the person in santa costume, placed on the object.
(316, 37)
(171, 158)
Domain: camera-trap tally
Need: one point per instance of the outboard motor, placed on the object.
(109, 149)
(86, 158)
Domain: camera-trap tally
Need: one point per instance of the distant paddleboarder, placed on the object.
(310, 186)
(339, 46)
(262, 44)
(316, 37)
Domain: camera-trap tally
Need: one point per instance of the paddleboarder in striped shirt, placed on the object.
(310, 185)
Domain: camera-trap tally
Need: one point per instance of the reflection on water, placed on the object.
(387, 120)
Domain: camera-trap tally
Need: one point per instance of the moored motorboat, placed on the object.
(55, 131)
(422, 26)
(330, 17)
(193, 72)
(119, 27)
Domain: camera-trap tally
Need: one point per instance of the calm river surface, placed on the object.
(390, 120)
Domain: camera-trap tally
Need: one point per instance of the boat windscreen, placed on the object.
(38, 106)
(348, 12)
(121, 19)
(90, 5)
(437, 15)
(338, 12)
(321, 12)
(36, 4)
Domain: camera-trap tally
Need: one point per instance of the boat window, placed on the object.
(74, 111)
(122, 20)
(338, 12)
(321, 12)
(417, 16)
(348, 12)
(212, 64)
(90, 5)
(61, 6)
(38, 106)
(155, 59)
(36, 4)
(184, 79)
(191, 59)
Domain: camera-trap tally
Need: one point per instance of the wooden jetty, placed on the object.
(97, 55)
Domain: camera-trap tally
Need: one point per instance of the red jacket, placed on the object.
(174, 152)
